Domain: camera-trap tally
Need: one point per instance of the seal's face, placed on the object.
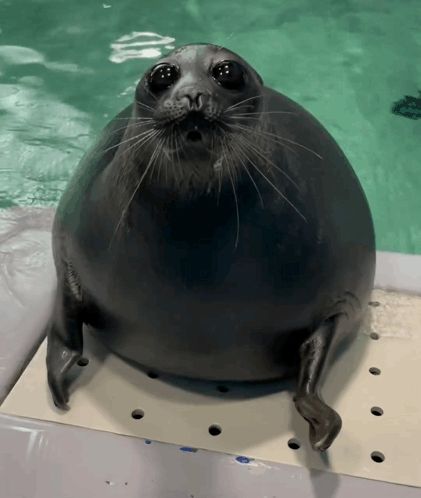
(192, 104)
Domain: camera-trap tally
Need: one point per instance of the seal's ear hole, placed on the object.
(374, 304)
(375, 336)
(294, 444)
(83, 362)
(375, 371)
(138, 414)
(377, 411)
(378, 457)
(215, 430)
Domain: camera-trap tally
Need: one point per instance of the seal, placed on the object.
(215, 231)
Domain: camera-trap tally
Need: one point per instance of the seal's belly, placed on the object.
(197, 310)
(243, 328)
(221, 343)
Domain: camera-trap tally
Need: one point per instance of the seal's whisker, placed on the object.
(234, 170)
(144, 137)
(280, 139)
(161, 159)
(131, 125)
(240, 108)
(243, 101)
(160, 154)
(238, 116)
(169, 144)
(127, 140)
(124, 173)
(236, 152)
(134, 118)
(139, 183)
(179, 167)
(219, 170)
(263, 156)
(262, 112)
(145, 106)
(246, 116)
(237, 209)
(244, 143)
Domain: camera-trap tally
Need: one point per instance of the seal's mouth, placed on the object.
(195, 129)
(194, 136)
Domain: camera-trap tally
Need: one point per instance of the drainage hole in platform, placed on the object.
(153, 375)
(374, 304)
(377, 457)
(83, 362)
(223, 389)
(375, 336)
(377, 411)
(138, 414)
(215, 430)
(294, 444)
(375, 371)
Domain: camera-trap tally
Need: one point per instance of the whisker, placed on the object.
(160, 158)
(220, 173)
(178, 154)
(236, 151)
(131, 125)
(145, 106)
(124, 211)
(237, 209)
(280, 139)
(125, 172)
(263, 112)
(127, 140)
(134, 118)
(244, 143)
(145, 138)
(263, 156)
(240, 108)
(276, 138)
(243, 101)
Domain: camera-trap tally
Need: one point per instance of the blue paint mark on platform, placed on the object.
(243, 459)
(187, 449)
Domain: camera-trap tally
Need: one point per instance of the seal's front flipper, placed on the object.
(325, 423)
(64, 343)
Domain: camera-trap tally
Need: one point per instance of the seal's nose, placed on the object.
(194, 98)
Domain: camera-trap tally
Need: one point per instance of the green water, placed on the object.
(67, 66)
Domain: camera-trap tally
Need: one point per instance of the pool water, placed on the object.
(66, 67)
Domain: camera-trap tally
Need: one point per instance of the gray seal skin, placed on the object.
(215, 231)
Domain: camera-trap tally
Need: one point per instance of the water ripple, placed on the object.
(140, 45)
(15, 55)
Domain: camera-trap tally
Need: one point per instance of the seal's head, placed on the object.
(188, 109)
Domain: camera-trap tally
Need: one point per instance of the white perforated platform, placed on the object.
(259, 421)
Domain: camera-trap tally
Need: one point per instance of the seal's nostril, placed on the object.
(193, 99)
(199, 101)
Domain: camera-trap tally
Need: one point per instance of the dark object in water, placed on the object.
(408, 107)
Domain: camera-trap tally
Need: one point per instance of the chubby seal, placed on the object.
(215, 231)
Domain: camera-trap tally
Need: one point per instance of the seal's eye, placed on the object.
(229, 74)
(162, 77)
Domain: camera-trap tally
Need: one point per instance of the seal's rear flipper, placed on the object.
(64, 343)
(325, 423)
